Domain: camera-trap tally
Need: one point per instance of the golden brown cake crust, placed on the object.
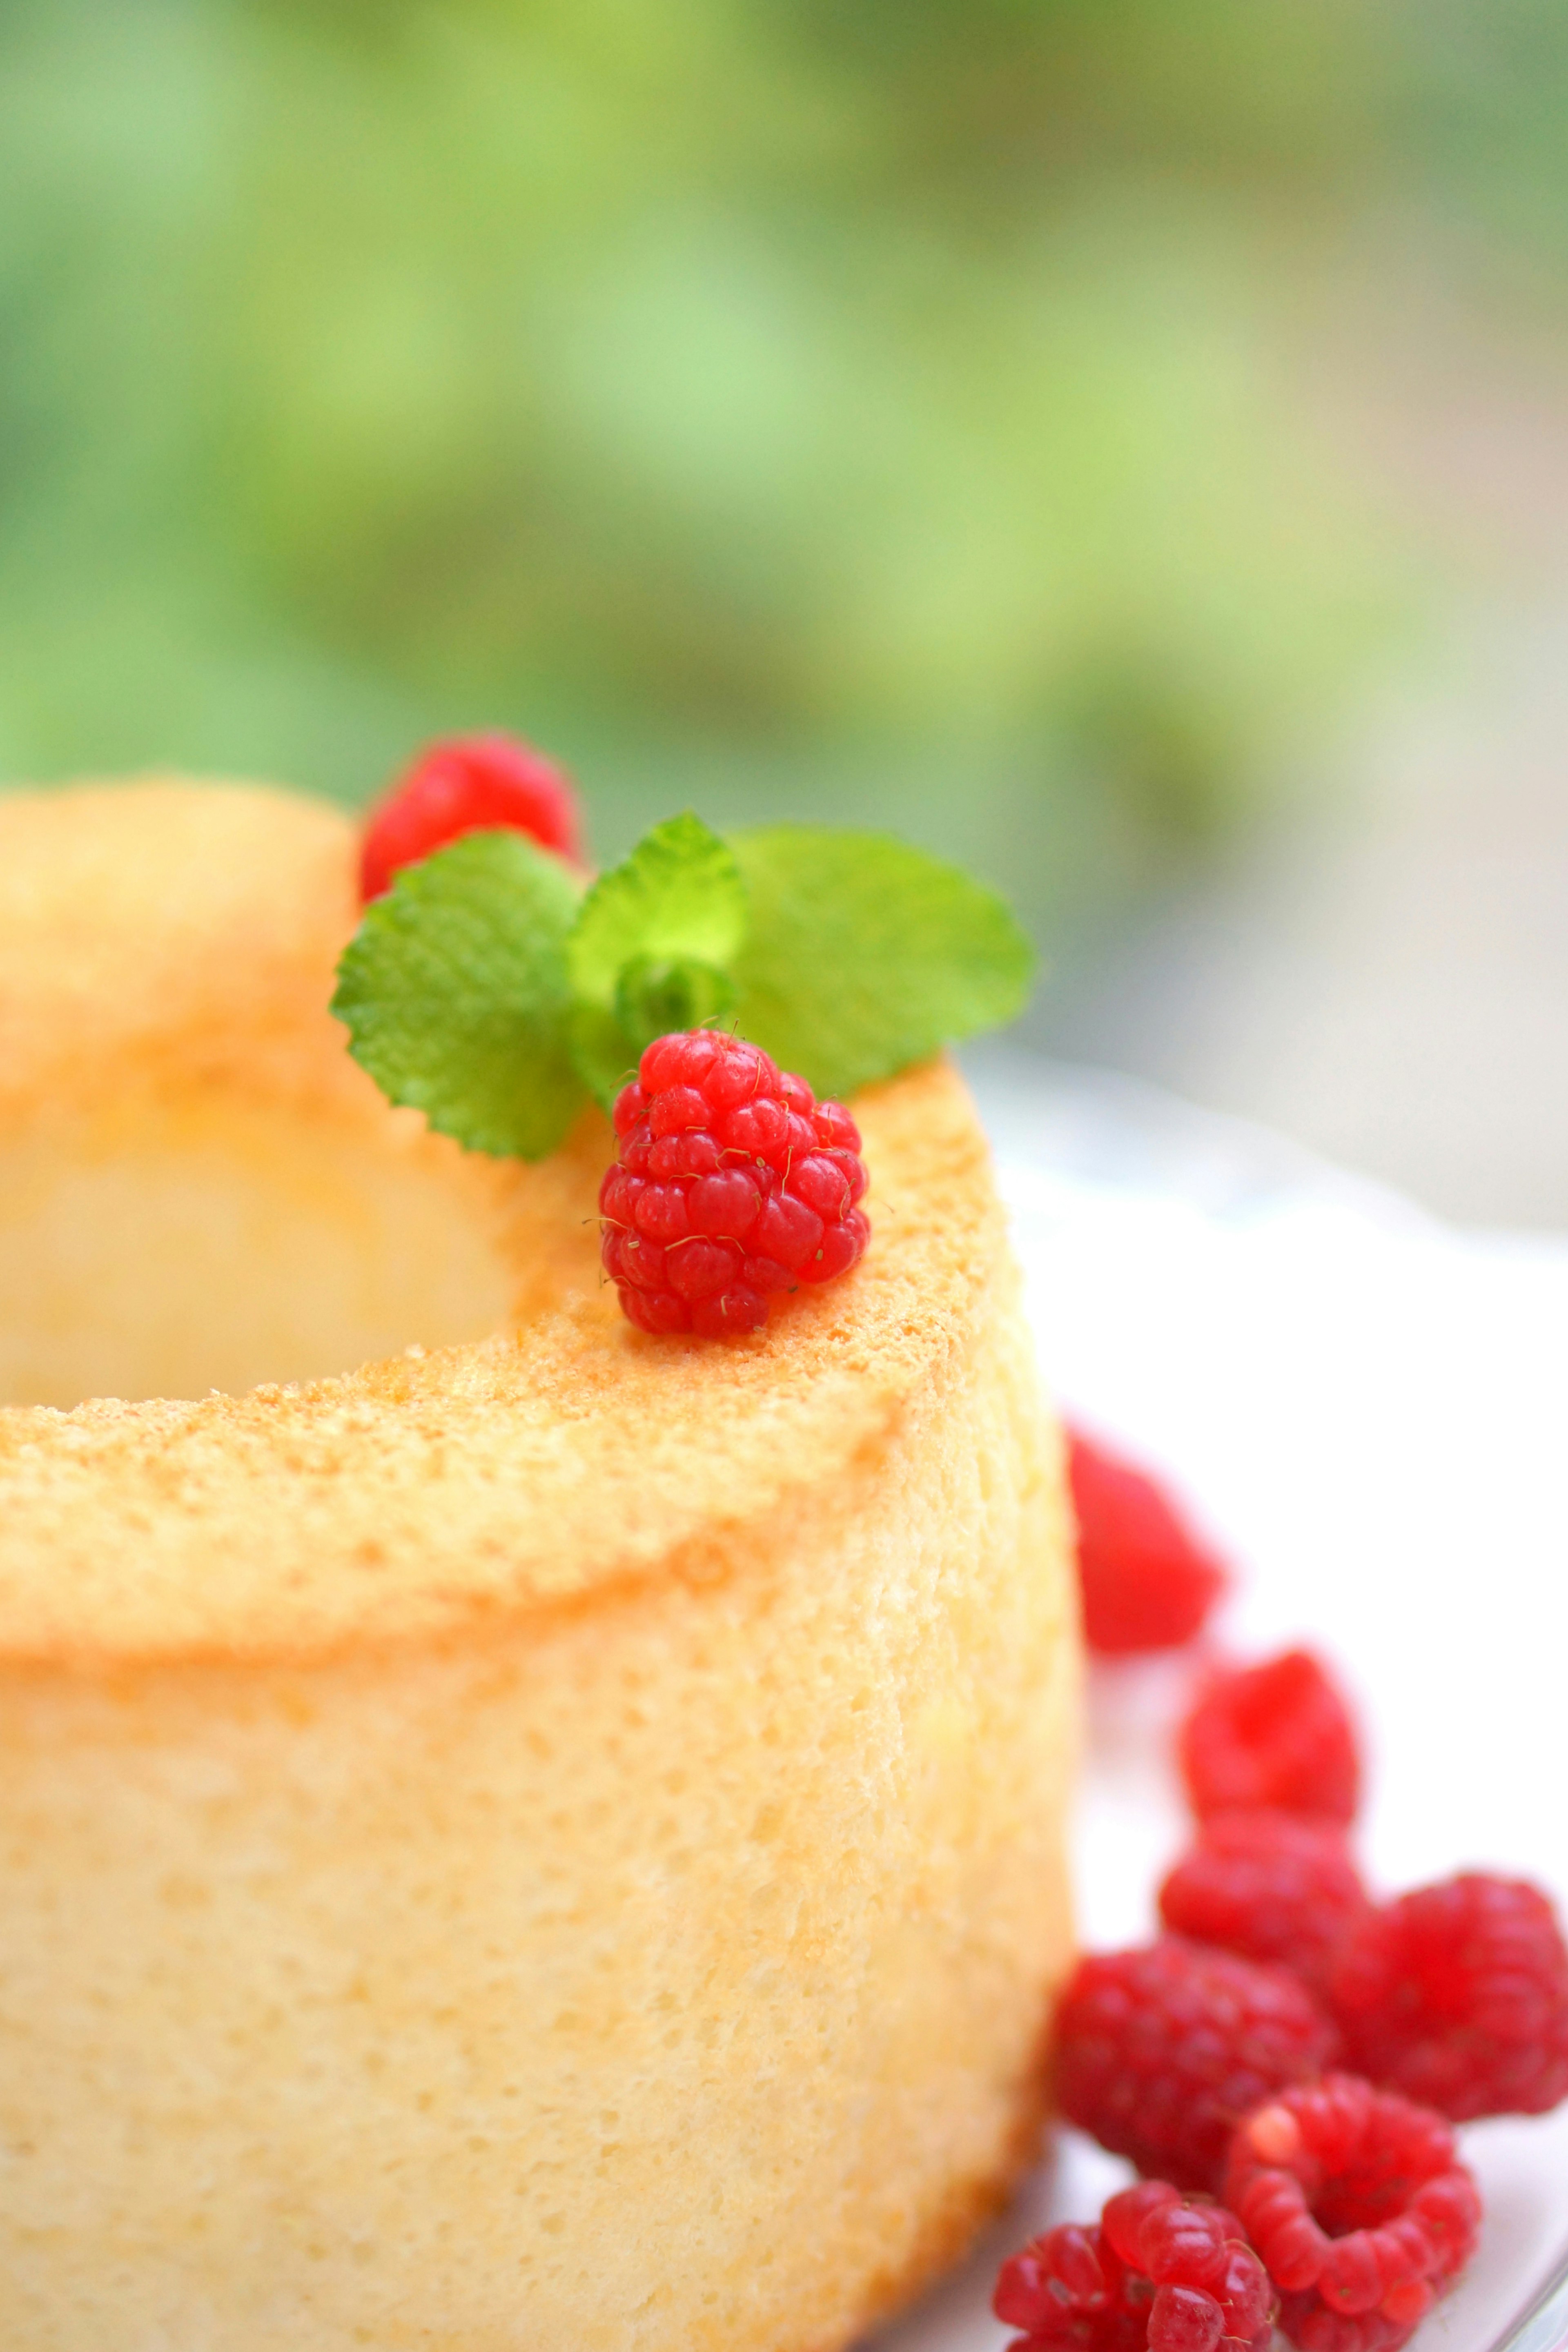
(172, 932)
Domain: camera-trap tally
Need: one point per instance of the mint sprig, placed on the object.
(864, 954)
(486, 991)
(652, 948)
(455, 993)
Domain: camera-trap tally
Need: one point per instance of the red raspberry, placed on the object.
(1360, 2207)
(731, 1183)
(1269, 1885)
(1157, 2270)
(1457, 1996)
(1161, 2051)
(1277, 1734)
(1148, 1583)
(1069, 2289)
(466, 784)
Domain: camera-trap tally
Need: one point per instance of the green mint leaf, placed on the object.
(455, 993)
(650, 946)
(651, 998)
(864, 955)
(602, 1051)
(678, 898)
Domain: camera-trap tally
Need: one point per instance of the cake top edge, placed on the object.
(558, 1467)
(156, 908)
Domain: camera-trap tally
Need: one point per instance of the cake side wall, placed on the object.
(665, 1978)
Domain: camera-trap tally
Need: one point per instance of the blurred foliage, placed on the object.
(795, 408)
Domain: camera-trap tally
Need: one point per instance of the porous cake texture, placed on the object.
(551, 1842)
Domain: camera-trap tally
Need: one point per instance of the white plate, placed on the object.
(1369, 1410)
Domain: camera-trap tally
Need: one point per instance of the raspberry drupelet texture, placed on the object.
(468, 784)
(1272, 1886)
(1360, 2207)
(1457, 1996)
(1069, 2289)
(1148, 1582)
(732, 1185)
(1278, 1734)
(1155, 2270)
(1161, 2051)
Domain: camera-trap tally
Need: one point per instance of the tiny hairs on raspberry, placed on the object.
(731, 1186)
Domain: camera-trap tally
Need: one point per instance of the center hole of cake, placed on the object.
(167, 1255)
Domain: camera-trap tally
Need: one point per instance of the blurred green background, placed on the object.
(889, 412)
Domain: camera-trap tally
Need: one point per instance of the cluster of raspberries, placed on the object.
(1346, 2213)
(731, 1184)
(1211, 2057)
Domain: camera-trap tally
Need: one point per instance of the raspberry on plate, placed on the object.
(1160, 2051)
(1148, 1582)
(1278, 1734)
(466, 784)
(1155, 2270)
(1457, 1996)
(1360, 2207)
(1070, 2291)
(1271, 1885)
(731, 1184)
